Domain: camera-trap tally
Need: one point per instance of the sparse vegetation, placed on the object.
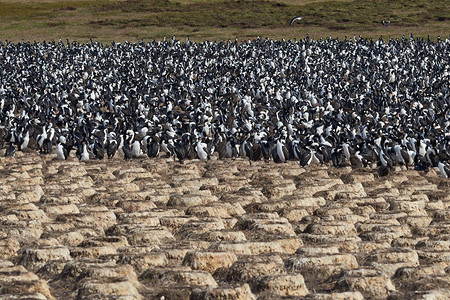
(219, 19)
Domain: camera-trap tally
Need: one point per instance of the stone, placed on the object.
(51, 269)
(34, 259)
(408, 275)
(408, 205)
(442, 215)
(248, 267)
(216, 209)
(57, 199)
(416, 295)
(31, 194)
(321, 268)
(433, 245)
(174, 223)
(160, 200)
(8, 247)
(434, 256)
(317, 251)
(143, 218)
(73, 171)
(196, 228)
(91, 252)
(131, 206)
(71, 238)
(97, 246)
(223, 235)
(24, 296)
(17, 280)
(390, 259)
(185, 201)
(10, 274)
(143, 261)
(344, 243)
(107, 287)
(140, 235)
(209, 261)
(384, 232)
(31, 214)
(331, 228)
(100, 217)
(336, 296)
(371, 283)
(223, 229)
(357, 178)
(179, 293)
(111, 271)
(287, 245)
(281, 285)
(295, 214)
(267, 223)
(279, 188)
(314, 185)
(372, 246)
(180, 276)
(240, 292)
(417, 221)
(244, 197)
(434, 230)
(61, 209)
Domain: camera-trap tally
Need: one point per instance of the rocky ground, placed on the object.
(157, 229)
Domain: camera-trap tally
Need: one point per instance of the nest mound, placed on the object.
(220, 229)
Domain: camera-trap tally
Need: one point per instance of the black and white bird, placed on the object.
(167, 146)
(386, 160)
(181, 150)
(202, 150)
(10, 151)
(346, 101)
(296, 18)
(232, 148)
(444, 168)
(357, 161)
(136, 150)
(310, 157)
(280, 153)
(98, 149)
(23, 141)
(41, 138)
(153, 147)
(111, 148)
(82, 152)
(383, 171)
(61, 152)
(126, 150)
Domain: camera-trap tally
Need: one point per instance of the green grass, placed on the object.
(218, 19)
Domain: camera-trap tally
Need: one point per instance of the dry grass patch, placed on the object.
(218, 19)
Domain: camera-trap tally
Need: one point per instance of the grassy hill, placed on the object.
(135, 20)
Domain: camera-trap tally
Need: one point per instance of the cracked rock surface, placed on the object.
(148, 229)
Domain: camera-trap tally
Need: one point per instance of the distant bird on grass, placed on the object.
(385, 23)
(296, 18)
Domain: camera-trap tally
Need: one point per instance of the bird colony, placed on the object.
(355, 102)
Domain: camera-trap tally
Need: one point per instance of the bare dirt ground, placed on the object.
(157, 229)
